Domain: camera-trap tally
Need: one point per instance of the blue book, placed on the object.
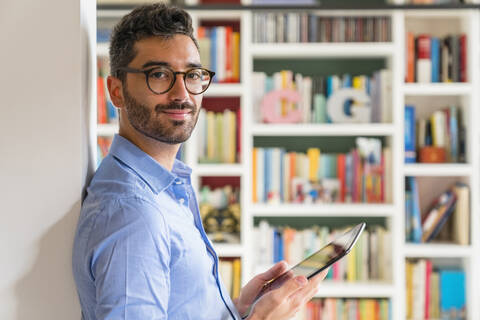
(452, 293)
(410, 154)
(435, 58)
(213, 51)
(276, 245)
(416, 223)
(329, 85)
(111, 111)
(453, 133)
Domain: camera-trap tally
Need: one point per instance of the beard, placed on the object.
(154, 124)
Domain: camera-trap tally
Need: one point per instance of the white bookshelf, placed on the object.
(428, 21)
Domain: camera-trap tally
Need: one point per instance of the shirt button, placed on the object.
(182, 200)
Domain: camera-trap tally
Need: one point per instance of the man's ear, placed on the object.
(115, 89)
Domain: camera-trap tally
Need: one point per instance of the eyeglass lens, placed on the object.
(196, 80)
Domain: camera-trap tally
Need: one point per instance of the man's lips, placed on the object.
(177, 114)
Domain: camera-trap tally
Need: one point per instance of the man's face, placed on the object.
(169, 117)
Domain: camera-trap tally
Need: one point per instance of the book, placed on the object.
(438, 213)
(423, 63)
(452, 294)
(461, 216)
(410, 137)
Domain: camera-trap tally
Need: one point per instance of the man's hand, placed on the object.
(253, 287)
(280, 303)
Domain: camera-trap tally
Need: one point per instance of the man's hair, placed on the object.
(153, 20)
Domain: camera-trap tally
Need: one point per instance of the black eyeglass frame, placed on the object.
(184, 73)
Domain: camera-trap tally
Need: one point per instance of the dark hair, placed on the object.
(153, 20)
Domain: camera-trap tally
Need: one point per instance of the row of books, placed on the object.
(346, 309)
(218, 136)
(103, 145)
(231, 272)
(446, 219)
(434, 293)
(443, 129)
(434, 59)
(106, 111)
(314, 177)
(220, 52)
(315, 93)
(221, 214)
(305, 27)
(370, 259)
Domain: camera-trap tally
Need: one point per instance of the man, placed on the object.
(140, 250)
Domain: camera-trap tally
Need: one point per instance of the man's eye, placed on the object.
(194, 75)
(159, 75)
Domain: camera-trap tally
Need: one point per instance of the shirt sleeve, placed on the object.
(130, 261)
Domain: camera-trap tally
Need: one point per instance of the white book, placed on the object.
(439, 129)
(419, 289)
(424, 70)
(221, 54)
(307, 99)
(226, 274)
(461, 216)
(386, 95)
(266, 243)
(258, 85)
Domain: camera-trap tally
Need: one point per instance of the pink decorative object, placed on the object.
(272, 99)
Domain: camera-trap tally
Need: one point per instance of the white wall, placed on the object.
(43, 158)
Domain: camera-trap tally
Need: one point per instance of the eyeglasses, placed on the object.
(161, 79)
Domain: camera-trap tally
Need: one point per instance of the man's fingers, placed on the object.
(276, 270)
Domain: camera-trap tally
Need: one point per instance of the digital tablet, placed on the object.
(318, 261)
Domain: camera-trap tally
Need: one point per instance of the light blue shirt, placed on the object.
(140, 250)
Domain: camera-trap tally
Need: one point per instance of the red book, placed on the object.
(341, 175)
(463, 58)
(423, 47)
(228, 54)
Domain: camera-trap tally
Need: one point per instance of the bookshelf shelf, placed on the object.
(220, 169)
(302, 129)
(228, 250)
(327, 210)
(439, 89)
(444, 169)
(355, 290)
(317, 50)
(107, 129)
(434, 250)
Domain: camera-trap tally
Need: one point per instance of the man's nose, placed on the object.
(179, 90)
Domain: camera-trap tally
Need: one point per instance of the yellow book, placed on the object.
(232, 144)
(211, 135)
(351, 266)
(313, 160)
(236, 56)
(409, 279)
(237, 275)
(219, 137)
(254, 175)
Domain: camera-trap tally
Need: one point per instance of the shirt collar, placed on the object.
(152, 172)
